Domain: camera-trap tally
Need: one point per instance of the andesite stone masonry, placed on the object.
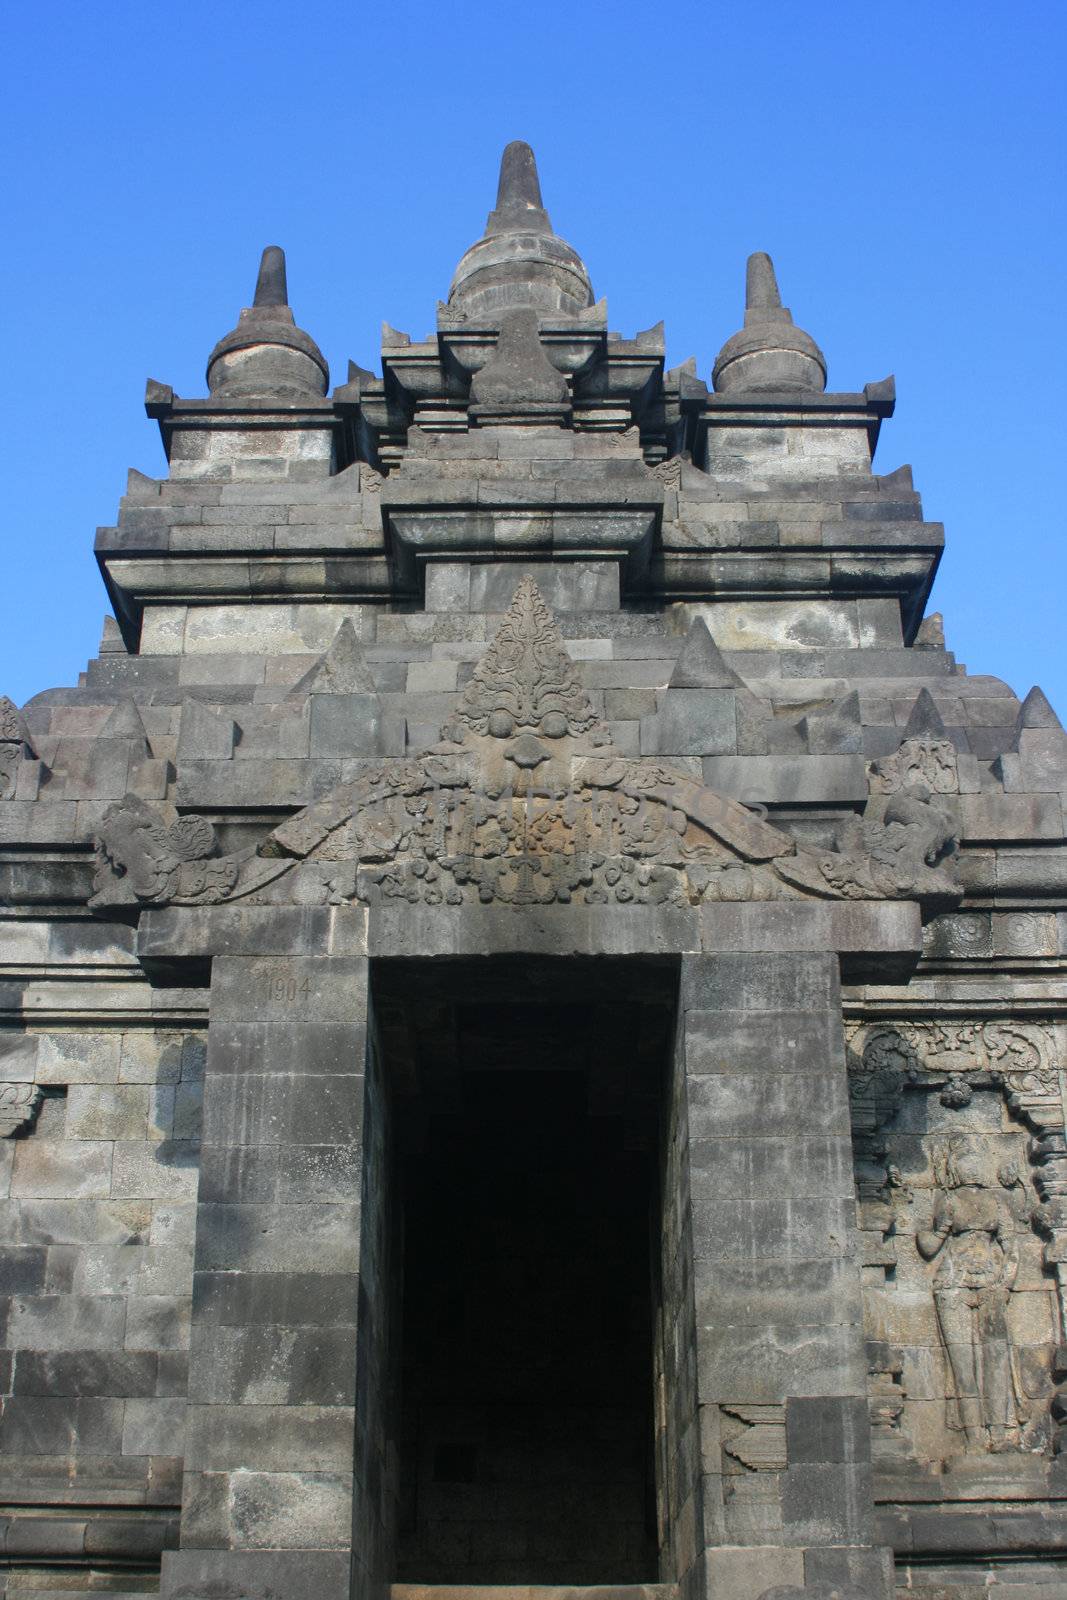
(534, 995)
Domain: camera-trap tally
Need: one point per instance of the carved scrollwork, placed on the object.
(19, 1104)
(526, 680)
(517, 807)
(905, 853)
(926, 761)
(147, 856)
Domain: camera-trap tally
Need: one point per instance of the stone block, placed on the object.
(828, 1503)
(788, 780)
(107, 1111)
(448, 586)
(994, 817)
(789, 1103)
(79, 1170)
(278, 1109)
(153, 1427)
(747, 1572)
(69, 1222)
(345, 724)
(869, 1571)
(165, 1170)
(791, 1168)
(432, 677)
(18, 1057)
(92, 1374)
(286, 1299)
(310, 1049)
(107, 1269)
(827, 1430)
(157, 1322)
(752, 1293)
(274, 1365)
(765, 1364)
(771, 1229)
(280, 1238)
(692, 722)
(65, 1322)
(65, 1058)
(803, 982)
(883, 936)
(22, 1269)
(206, 733)
(285, 1575)
(286, 1511)
(270, 1438)
(300, 988)
(566, 586)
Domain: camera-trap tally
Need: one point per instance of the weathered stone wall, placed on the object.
(97, 1222)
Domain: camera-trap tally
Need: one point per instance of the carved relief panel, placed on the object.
(962, 1187)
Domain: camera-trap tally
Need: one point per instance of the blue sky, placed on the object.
(904, 164)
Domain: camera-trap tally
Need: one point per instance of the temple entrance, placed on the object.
(526, 1100)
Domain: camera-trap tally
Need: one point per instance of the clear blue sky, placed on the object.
(902, 162)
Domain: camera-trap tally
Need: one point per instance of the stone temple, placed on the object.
(533, 995)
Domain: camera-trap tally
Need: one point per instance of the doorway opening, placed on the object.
(527, 1100)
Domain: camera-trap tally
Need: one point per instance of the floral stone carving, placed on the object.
(523, 803)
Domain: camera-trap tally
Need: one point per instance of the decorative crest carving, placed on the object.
(926, 761)
(516, 807)
(526, 681)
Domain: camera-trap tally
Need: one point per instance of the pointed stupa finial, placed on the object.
(267, 354)
(761, 285)
(519, 187)
(770, 352)
(519, 261)
(271, 287)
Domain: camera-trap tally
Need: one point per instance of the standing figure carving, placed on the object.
(972, 1240)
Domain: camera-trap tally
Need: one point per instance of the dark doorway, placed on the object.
(527, 1195)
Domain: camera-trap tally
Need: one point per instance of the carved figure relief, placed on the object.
(972, 1242)
(522, 803)
(961, 1165)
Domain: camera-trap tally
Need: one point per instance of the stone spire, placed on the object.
(267, 354)
(519, 261)
(770, 352)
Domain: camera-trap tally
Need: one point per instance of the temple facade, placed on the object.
(533, 995)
